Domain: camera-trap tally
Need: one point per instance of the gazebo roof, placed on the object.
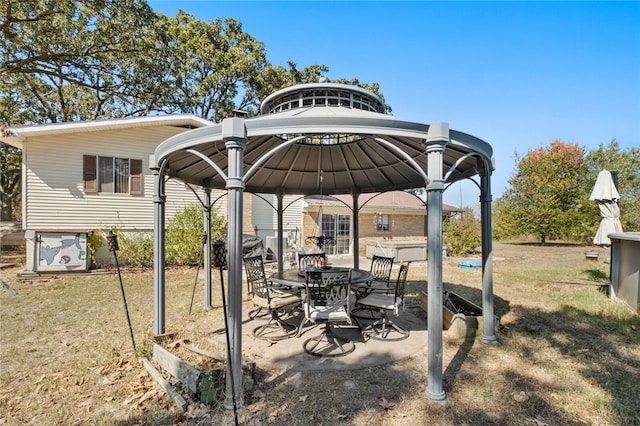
(343, 142)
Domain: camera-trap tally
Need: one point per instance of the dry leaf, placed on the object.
(147, 395)
(386, 404)
(302, 398)
(131, 399)
(342, 416)
(195, 411)
(538, 422)
(521, 396)
(634, 327)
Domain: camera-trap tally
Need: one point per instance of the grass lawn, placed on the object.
(567, 354)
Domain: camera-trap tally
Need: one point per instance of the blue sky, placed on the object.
(515, 74)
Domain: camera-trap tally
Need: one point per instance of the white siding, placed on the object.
(53, 194)
(265, 217)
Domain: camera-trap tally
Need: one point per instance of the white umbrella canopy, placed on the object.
(607, 196)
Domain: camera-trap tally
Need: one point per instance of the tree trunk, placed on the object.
(6, 208)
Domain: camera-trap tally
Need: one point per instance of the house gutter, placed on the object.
(21, 133)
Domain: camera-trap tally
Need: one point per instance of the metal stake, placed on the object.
(112, 242)
(220, 261)
(193, 293)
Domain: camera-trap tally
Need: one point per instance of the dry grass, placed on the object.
(568, 354)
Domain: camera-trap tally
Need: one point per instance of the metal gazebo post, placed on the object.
(234, 134)
(159, 199)
(437, 139)
(206, 242)
(489, 329)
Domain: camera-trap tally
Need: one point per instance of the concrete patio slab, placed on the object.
(289, 354)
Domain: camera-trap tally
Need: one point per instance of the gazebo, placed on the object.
(331, 139)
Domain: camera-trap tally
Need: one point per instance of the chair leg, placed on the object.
(385, 329)
(275, 329)
(328, 344)
(302, 324)
(255, 312)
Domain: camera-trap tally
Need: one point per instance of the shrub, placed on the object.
(462, 235)
(184, 235)
(183, 240)
(96, 240)
(136, 248)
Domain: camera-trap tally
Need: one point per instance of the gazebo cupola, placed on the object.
(322, 94)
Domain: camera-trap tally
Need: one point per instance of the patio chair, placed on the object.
(326, 301)
(384, 328)
(311, 259)
(272, 298)
(381, 275)
(381, 271)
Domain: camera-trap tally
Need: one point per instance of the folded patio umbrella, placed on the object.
(607, 196)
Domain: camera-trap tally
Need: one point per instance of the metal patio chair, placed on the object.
(311, 259)
(326, 301)
(380, 270)
(384, 328)
(273, 299)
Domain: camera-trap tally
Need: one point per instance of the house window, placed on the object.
(112, 175)
(382, 222)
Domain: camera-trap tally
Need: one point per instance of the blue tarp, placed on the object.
(470, 264)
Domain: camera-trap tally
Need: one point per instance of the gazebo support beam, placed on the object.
(489, 329)
(234, 133)
(280, 231)
(207, 247)
(437, 139)
(356, 229)
(158, 248)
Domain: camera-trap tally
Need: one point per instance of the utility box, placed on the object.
(625, 268)
(57, 251)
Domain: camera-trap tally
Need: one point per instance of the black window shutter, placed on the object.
(136, 177)
(89, 174)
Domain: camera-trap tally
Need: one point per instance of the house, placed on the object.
(394, 215)
(390, 215)
(86, 176)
